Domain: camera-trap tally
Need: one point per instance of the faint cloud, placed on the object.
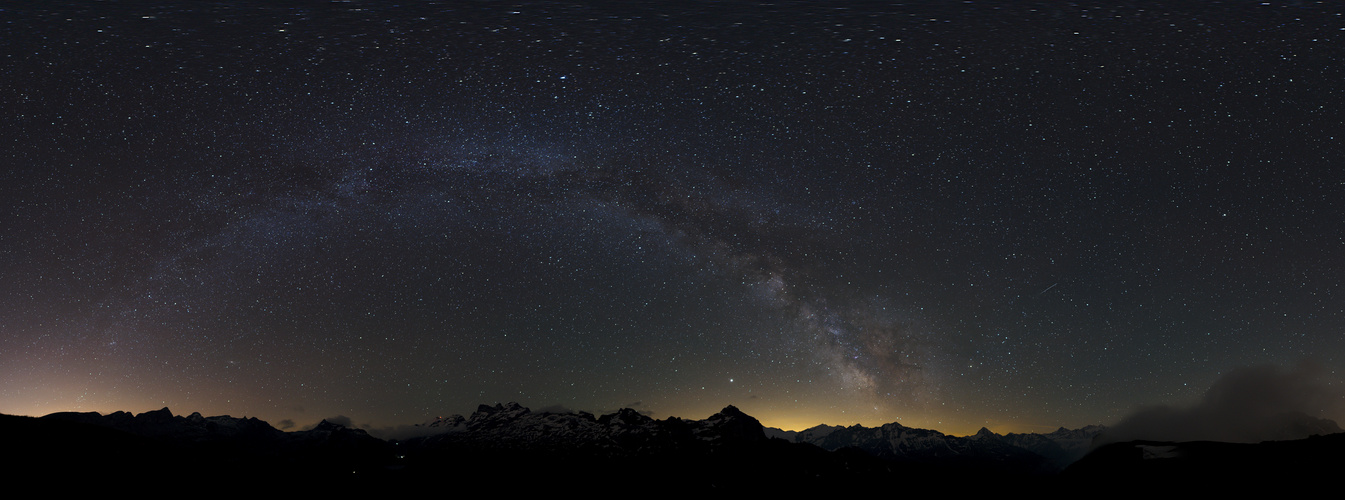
(1247, 405)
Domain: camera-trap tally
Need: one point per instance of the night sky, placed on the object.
(946, 214)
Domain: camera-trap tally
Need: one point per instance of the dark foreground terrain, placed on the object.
(510, 449)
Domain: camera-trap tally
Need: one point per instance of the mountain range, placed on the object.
(509, 447)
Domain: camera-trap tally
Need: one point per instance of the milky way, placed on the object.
(953, 215)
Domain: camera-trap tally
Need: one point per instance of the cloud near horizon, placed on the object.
(1247, 405)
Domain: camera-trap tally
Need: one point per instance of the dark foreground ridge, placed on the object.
(509, 448)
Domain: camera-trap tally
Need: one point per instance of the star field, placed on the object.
(948, 214)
